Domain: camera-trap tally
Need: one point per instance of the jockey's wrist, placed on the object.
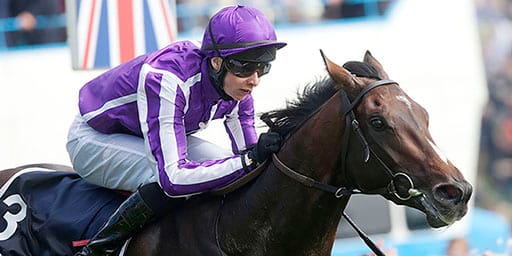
(247, 163)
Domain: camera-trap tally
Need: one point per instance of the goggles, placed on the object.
(246, 68)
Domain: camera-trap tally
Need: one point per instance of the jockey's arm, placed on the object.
(162, 112)
(239, 125)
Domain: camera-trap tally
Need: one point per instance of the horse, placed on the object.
(353, 131)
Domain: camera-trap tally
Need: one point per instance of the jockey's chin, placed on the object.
(240, 94)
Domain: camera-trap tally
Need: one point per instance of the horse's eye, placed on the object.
(378, 123)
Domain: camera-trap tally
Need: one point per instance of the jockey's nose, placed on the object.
(254, 79)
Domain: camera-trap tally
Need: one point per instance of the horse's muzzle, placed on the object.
(452, 194)
(447, 204)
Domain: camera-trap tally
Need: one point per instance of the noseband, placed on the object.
(351, 122)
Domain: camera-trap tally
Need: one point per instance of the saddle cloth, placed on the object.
(43, 211)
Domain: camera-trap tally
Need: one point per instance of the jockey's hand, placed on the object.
(268, 143)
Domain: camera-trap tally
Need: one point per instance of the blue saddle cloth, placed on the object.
(43, 211)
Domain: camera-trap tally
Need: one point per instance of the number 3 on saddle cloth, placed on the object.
(43, 211)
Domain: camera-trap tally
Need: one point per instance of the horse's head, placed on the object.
(404, 163)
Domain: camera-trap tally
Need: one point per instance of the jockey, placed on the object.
(137, 120)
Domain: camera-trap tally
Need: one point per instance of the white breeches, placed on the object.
(118, 161)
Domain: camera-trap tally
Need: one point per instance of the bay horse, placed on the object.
(354, 131)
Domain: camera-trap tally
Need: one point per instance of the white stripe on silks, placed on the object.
(111, 104)
(113, 33)
(169, 91)
(169, 82)
(138, 27)
(168, 142)
(186, 88)
(204, 174)
(235, 128)
(196, 43)
(142, 107)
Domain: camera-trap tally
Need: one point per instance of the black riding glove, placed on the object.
(268, 143)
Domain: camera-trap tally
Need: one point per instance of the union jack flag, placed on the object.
(106, 33)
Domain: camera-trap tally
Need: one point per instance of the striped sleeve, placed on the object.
(162, 102)
(239, 125)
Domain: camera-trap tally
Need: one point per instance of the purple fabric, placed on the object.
(245, 115)
(109, 105)
(239, 24)
(152, 88)
(119, 122)
(110, 85)
(212, 184)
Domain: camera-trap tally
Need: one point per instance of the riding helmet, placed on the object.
(242, 32)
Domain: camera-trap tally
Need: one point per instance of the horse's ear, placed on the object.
(342, 77)
(368, 58)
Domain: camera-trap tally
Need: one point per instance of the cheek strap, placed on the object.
(217, 78)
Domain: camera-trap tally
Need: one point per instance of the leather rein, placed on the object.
(351, 122)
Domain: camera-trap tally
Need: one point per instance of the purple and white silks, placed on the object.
(162, 97)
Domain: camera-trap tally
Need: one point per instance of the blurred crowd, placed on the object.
(31, 22)
(494, 189)
(280, 11)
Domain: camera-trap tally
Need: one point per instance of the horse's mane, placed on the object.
(314, 95)
(285, 120)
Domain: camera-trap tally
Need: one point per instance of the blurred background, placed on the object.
(453, 57)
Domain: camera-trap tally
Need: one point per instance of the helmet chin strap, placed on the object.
(217, 78)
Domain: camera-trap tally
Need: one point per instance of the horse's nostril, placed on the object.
(449, 192)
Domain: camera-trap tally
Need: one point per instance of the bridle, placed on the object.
(351, 122)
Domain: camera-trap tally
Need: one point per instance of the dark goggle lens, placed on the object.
(246, 68)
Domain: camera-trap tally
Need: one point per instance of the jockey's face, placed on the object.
(239, 87)
(235, 86)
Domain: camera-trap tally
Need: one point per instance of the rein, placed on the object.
(351, 121)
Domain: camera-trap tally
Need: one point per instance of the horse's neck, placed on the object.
(279, 216)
